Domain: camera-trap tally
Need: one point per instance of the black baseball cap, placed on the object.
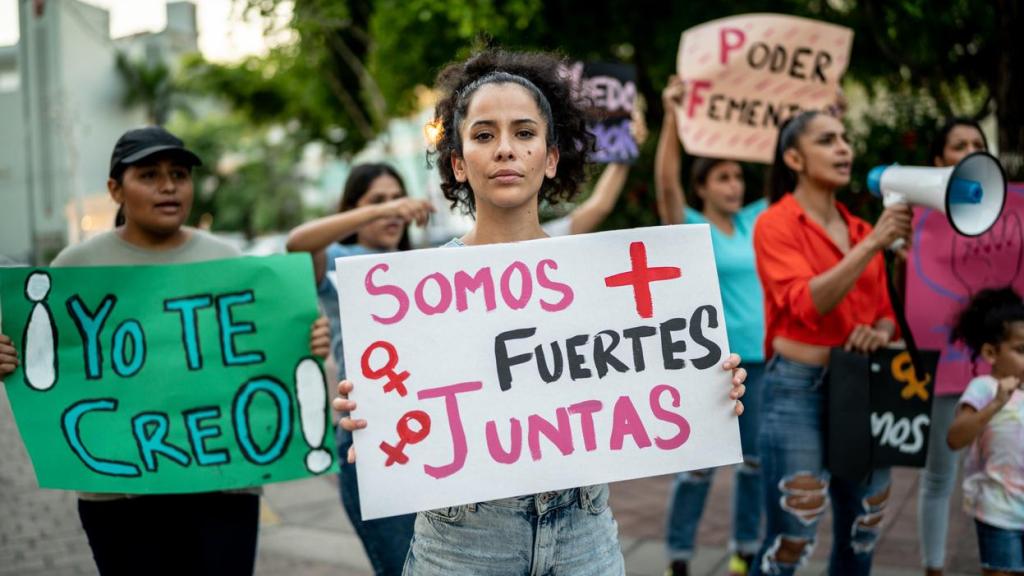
(134, 145)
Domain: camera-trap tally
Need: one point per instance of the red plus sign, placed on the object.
(640, 277)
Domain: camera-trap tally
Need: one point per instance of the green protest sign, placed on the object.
(164, 379)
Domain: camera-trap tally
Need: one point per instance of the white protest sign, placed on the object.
(495, 371)
(746, 74)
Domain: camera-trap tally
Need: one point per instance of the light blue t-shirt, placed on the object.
(327, 292)
(741, 290)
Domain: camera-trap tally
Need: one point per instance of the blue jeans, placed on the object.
(937, 482)
(563, 532)
(690, 489)
(386, 540)
(797, 486)
(1000, 549)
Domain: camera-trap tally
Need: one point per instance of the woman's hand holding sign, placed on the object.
(320, 338)
(8, 356)
(343, 404)
(673, 96)
(739, 376)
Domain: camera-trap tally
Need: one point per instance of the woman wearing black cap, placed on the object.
(210, 533)
(151, 180)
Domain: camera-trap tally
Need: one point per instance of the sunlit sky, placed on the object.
(224, 35)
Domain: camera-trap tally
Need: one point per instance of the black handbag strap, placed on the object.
(901, 317)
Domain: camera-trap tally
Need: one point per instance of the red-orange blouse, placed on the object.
(790, 249)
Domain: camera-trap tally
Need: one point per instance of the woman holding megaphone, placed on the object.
(823, 276)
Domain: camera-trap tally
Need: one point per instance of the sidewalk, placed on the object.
(304, 531)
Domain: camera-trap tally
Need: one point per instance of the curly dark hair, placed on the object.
(547, 80)
(987, 319)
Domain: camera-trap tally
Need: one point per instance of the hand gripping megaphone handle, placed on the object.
(892, 199)
(971, 194)
(889, 198)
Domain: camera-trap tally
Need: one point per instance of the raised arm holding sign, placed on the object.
(452, 342)
(717, 187)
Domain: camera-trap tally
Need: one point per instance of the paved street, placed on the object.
(305, 532)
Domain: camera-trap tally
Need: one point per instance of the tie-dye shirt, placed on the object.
(994, 467)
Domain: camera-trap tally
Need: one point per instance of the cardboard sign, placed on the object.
(610, 91)
(945, 269)
(167, 379)
(496, 371)
(879, 411)
(747, 74)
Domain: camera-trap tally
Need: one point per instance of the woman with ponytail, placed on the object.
(824, 283)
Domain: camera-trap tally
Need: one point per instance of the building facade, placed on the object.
(61, 106)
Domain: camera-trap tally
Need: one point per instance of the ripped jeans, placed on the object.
(798, 488)
(690, 489)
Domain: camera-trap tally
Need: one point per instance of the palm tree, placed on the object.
(146, 84)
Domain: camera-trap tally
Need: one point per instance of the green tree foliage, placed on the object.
(249, 181)
(357, 62)
(320, 80)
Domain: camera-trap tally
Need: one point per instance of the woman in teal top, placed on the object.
(718, 188)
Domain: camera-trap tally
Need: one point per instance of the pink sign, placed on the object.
(945, 269)
(748, 73)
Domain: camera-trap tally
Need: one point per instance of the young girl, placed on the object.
(211, 533)
(373, 216)
(512, 135)
(933, 249)
(719, 186)
(824, 286)
(990, 417)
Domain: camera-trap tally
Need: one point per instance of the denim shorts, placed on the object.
(1000, 548)
(563, 532)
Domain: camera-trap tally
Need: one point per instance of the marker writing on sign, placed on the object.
(582, 360)
(407, 435)
(561, 434)
(202, 425)
(396, 380)
(515, 284)
(904, 434)
(802, 63)
(128, 341)
(775, 58)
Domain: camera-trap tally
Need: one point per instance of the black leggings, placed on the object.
(202, 534)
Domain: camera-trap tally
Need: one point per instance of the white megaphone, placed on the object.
(970, 194)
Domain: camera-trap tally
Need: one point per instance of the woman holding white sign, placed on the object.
(513, 136)
(373, 216)
(824, 286)
(719, 186)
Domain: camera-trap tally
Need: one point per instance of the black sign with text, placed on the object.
(879, 411)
